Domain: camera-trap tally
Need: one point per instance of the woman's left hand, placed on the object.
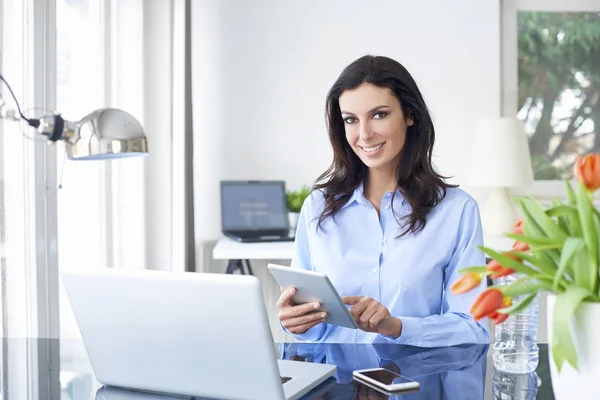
(371, 316)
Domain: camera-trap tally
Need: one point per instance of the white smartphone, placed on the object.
(385, 379)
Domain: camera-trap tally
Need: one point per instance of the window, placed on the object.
(79, 90)
(551, 78)
(559, 88)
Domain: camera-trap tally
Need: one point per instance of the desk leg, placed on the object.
(234, 265)
(248, 267)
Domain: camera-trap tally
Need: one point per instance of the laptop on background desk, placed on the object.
(255, 211)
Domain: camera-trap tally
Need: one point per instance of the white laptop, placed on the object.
(189, 334)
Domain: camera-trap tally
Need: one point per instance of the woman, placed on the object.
(382, 224)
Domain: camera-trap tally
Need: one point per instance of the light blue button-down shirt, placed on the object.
(411, 276)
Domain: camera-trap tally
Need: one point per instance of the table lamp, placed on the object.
(500, 159)
(106, 133)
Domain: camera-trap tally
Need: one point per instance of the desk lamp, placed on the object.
(106, 133)
(500, 160)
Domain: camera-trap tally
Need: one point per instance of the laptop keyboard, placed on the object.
(284, 379)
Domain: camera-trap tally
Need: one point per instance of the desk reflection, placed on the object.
(113, 393)
(450, 373)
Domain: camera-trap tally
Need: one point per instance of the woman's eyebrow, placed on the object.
(370, 111)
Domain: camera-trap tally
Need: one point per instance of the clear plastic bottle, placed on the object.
(515, 386)
(515, 348)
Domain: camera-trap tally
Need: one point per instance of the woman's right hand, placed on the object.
(298, 318)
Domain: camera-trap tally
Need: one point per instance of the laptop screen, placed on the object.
(253, 206)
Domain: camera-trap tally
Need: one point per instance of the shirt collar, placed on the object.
(358, 196)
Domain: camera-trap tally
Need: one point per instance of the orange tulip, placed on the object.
(468, 281)
(501, 317)
(498, 317)
(588, 171)
(519, 246)
(518, 228)
(488, 302)
(498, 270)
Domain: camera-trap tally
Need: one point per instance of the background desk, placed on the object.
(239, 254)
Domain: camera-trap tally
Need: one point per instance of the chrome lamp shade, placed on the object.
(107, 133)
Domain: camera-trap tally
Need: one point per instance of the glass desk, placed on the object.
(458, 372)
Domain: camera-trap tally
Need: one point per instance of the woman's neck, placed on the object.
(377, 184)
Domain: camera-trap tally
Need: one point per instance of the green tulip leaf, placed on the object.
(509, 262)
(567, 303)
(522, 288)
(478, 270)
(561, 210)
(518, 307)
(571, 198)
(586, 217)
(563, 213)
(535, 240)
(571, 247)
(543, 264)
(545, 222)
(530, 226)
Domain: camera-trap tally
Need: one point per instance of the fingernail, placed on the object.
(323, 315)
(316, 305)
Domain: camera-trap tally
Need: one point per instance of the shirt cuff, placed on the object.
(313, 334)
(411, 328)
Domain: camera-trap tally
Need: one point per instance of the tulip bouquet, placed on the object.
(556, 249)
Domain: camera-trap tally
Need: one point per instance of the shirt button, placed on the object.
(374, 270)
(387, 206)
(384, 240)
(388, 194)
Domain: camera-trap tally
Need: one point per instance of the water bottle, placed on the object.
(515, 347)
(515, 386)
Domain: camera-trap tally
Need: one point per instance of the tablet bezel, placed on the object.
(314, 286)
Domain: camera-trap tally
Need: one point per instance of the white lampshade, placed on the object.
(499, 160)
(500, 154)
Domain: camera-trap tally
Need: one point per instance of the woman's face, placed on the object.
(375, 125)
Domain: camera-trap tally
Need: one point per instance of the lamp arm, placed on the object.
(54, 127)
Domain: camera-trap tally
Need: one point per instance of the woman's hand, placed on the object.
(298, 318)
(363, 392)
(371, 316)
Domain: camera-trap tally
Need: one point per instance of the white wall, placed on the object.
(261, 70)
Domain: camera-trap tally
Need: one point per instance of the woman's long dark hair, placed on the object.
(419, 184)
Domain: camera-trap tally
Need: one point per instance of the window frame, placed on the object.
(33, 369)
(548, 189)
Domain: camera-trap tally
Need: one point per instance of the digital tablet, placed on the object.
(314, 286)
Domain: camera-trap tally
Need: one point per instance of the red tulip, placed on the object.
(587, 171)
(468, 281)
(488, 302)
